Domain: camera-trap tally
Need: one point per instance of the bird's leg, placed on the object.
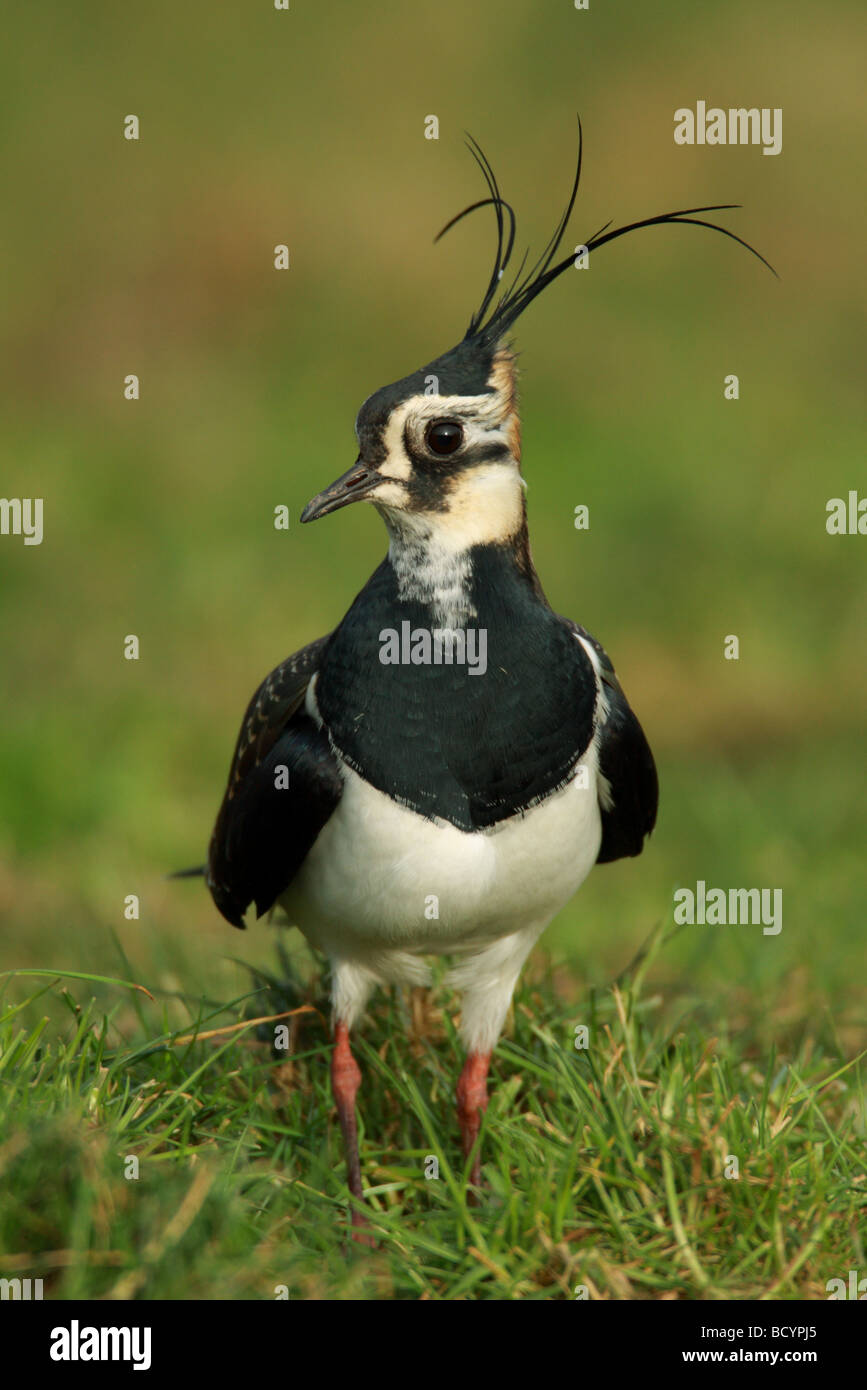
(472, 1103)
(345, 1081)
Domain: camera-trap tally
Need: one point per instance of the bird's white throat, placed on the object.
(434, 574)
(430, 551)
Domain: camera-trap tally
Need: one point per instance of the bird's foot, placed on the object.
(361, 1232)
(472, 1103)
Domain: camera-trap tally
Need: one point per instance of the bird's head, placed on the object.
(440, 449)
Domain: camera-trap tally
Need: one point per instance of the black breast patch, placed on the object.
(471, 749)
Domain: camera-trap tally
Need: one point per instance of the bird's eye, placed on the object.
(444, 436)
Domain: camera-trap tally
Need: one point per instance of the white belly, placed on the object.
(382, 877)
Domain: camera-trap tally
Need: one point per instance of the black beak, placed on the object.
(356, 483)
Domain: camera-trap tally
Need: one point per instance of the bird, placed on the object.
(438, 774)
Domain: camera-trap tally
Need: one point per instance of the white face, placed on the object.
(451, 466)
(441, 469)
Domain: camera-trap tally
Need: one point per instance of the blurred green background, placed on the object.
(707, 516)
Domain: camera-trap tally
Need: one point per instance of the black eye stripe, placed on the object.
(488, 453)
(426, 464)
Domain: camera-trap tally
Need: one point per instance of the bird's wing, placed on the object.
(284, 784)
(628, 786)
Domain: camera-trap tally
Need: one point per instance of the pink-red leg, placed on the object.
(472, 1103)
(345, 1081)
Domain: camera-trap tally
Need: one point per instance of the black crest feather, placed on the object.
(486, 327)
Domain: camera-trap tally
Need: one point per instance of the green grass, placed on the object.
(604, 1168)
(707, 518)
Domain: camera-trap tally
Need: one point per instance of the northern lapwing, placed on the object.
(439, 774)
